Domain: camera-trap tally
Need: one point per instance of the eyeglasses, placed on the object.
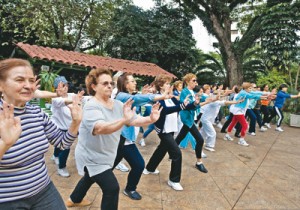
(107, 83)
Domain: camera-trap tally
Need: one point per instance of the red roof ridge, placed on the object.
(92, 61)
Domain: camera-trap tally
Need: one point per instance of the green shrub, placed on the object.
(273, 79)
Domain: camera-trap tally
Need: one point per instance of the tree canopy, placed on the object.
(217, 17)
(68, 24)
(162, 36)
(279, 35)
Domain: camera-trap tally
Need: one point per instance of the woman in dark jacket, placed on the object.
(165, 127)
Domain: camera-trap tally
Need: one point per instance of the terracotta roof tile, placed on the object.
(92, 61)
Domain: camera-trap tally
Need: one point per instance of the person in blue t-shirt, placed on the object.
(282, 95)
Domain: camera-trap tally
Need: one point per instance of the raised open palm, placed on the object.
(10, 126)
(61, 89)
(76, 109)
(155, 113)
(128, 112)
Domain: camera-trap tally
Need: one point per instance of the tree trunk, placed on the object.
(297, 76)
(232, 62)
(291, 79)
(234, 70)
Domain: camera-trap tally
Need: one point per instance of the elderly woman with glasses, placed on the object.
(98, 140)
(188, 117)
(25, 134)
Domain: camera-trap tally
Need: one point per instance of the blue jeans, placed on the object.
(49, 198)
(134, 158)
(151, 127)
(62, 157)
(149, 130)
(258, 117)
(252, 117)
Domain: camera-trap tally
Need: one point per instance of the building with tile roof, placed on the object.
(86, 62)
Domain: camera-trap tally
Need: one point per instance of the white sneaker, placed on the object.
(121, 166)
(243, 142)
(149, 172)
(268, 125)
(252, 134)
(227, 137)
(219, 125)
(175, 185)
(55, 160)
(262, 129)
(63, 172)
(203, 155)
(279, 129)
(142, 142)
(209, 148)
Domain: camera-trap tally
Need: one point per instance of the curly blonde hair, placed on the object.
(188, 77)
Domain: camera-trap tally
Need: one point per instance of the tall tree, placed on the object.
(68, 24)
(162, 36)
(279, 37)
(217, 17)
(11, 29)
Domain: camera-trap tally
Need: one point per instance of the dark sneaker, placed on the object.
(201, 168)
(134, 195)
(237, 135)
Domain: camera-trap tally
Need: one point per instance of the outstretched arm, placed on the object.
(295, 96)
(44, 94)
(233, 102)
(61, 89)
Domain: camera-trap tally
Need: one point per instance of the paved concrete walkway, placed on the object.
(265, 175)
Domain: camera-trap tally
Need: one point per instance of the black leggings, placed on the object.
(196, 134)
(108, 184)
(266, 113)
(276, 111)
(167, 144)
